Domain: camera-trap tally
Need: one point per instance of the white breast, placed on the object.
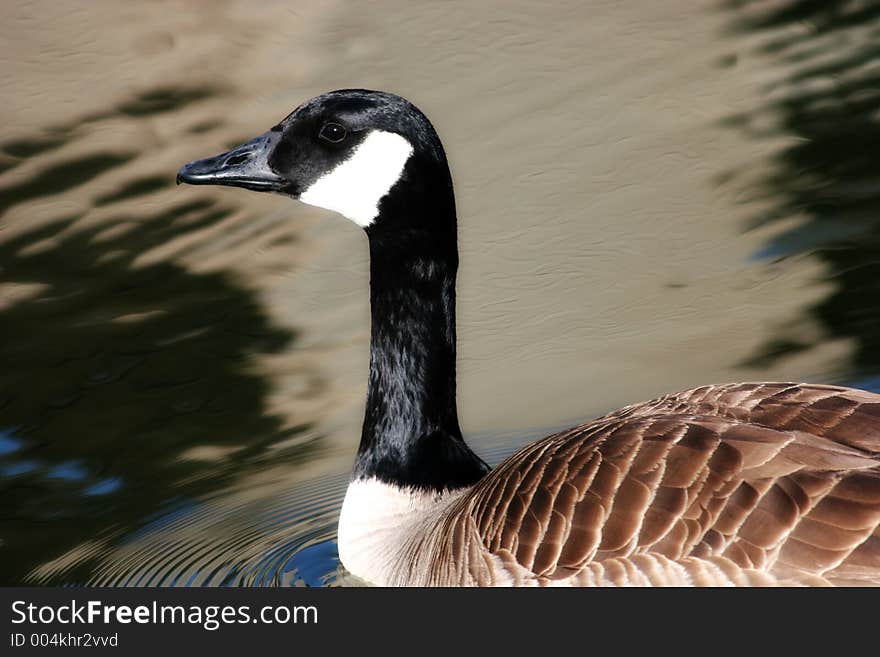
(380, 524)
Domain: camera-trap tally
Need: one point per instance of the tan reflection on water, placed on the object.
(603, 253)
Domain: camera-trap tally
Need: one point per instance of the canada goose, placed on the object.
(743, 484)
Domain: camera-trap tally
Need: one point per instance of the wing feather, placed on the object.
(718, 482)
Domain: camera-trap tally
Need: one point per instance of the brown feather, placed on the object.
(732, 484)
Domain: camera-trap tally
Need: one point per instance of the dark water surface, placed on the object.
(651, 198)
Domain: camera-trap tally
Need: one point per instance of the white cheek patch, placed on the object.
(355, 187)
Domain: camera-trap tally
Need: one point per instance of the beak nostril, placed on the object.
(236, 159)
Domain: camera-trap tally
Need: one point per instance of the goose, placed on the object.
(741, 484)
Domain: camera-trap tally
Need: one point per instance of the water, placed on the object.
(650, 198)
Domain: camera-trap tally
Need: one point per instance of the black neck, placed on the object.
(411, 435)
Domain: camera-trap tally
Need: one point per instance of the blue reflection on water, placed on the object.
(871, 383)
(20, 468)
(8, 444)
(105, 486)
(69, 471)
(312, 564)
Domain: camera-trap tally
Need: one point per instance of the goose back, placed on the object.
(738, 484)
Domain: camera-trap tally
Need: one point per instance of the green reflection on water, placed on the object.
(116, 373)
(828, 99)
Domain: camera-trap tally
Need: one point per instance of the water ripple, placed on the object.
(285, 540)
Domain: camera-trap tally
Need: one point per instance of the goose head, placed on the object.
(370, 156)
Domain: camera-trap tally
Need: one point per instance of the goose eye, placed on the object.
(333, 132)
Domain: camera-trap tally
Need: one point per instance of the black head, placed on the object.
(369, 155)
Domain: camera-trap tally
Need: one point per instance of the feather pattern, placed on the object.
(740, 484)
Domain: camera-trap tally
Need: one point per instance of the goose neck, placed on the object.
(411, 435)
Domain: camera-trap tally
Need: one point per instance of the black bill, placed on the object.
(245, 166)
